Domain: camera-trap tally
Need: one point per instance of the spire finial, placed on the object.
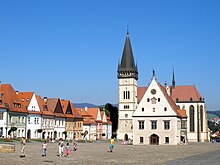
(173, 80)
(154, 75)
(127, 30)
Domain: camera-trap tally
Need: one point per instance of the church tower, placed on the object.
(127, 91)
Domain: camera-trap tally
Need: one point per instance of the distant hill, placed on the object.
(89, 105)
(213, 113)
(83, 105)
(210, 116)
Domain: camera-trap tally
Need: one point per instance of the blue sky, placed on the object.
(71, 49)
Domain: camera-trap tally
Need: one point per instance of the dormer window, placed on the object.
(1, 95)
(191, 99)
(23, 100)
(0, 102)
(15, 105)
(177, 99)
(27, 99)
(19, 105)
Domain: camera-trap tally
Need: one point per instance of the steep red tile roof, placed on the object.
(93, 112)
(179, 112)
(87, 118)
(52, 104)
(140, 93)
(43, 106)
(10, 99)
(185, 93)
(25, 97)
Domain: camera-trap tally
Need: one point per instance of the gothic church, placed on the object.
(157, 114)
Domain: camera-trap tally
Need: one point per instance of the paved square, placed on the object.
(97, 153)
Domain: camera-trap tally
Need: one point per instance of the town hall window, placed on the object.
(167, 125)
(167, 140)
(141, 124)
(142, 109)
(153, 100)
(154, 124)
(141, 140)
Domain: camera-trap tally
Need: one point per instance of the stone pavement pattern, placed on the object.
(97, 154)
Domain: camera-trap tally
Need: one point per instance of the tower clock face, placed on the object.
(153, 91)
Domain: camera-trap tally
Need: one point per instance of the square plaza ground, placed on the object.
(97, 153)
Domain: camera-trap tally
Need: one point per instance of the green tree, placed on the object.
(113, 117)
(13, 129)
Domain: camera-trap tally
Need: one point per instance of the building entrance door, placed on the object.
(154, 139)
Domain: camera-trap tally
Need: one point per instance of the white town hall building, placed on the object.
(157, 114)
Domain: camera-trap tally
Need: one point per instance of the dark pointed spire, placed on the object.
(154, 75)
(127, 67)
(173, 80)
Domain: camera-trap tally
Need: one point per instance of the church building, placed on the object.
(157, 114)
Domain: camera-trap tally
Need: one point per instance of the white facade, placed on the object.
(34, 119)
(59, 128)
(127, 99)
(3, 122)
(150, 117)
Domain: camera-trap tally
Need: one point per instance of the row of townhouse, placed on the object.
(49, 118)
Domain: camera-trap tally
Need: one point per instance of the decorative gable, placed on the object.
(154, 102)
(68, 109)
(58, 107)
(98, 115)
(33, 105)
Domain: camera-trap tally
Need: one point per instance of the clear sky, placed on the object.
(70, 49)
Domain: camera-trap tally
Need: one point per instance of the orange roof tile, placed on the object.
(140, 93)
(10, 99)
(185, 93)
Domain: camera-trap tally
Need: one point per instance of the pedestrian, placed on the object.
(23, 142)
(111, 145)
(44, 148)
(61, 147)
(75, 145)
(67, 149)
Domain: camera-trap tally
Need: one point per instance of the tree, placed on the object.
(113, 117)
(13, 129)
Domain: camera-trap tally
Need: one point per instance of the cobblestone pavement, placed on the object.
(97, 153)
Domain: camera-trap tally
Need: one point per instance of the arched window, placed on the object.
(191, 118)
(201, 117)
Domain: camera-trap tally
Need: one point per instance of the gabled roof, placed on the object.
(87, 118)
(140, 93)
(55, 107)
(44, 107)
(25, 97)
(67, 109)
(180, 113)
(10, 99)
(94, 112)
(186, 93)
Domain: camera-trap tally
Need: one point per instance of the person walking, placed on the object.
(111, 145)
(61, 147)
(75, 145)
(67, 149)
(44, 148)
(23, 142)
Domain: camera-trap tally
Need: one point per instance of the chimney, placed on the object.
(16, 92)
(45, 99)
(86, 108)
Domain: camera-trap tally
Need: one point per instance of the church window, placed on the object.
(167, 140)
(153, 124)
(192, 118)
(126, 94)
(201, 117)
(126, 115)
(153, 109)
(142, 109)
(141, 140)
(141, 124)
(35, 120)
(166, 125)
(126, 106)
(165, 108)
